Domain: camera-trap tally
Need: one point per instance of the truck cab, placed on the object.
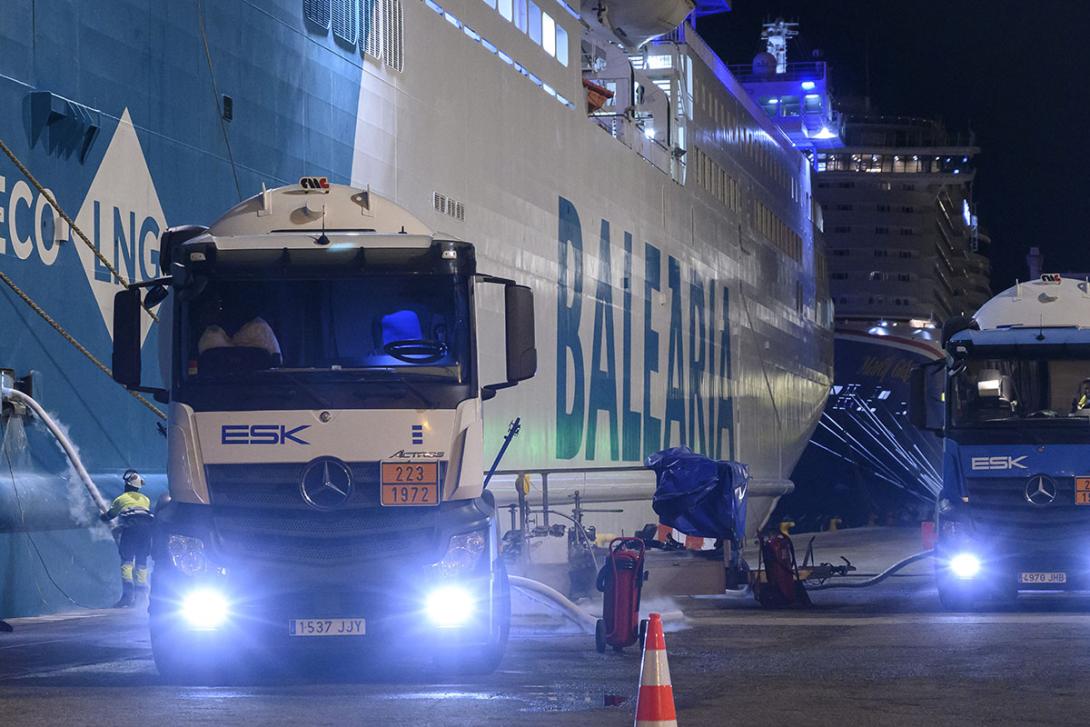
(1012, 401)
(320, 352)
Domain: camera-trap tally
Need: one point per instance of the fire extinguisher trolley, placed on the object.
(621, 581)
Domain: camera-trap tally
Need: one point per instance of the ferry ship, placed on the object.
(906, 252)
(600, 152)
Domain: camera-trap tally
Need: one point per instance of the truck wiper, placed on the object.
(388, 374)
(273, 374)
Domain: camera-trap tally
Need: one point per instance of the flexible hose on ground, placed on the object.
(549, 596)
(21, 398)
(878, 578)
(553, 598)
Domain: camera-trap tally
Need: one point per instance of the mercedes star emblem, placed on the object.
(1040, 490)
(326, 483)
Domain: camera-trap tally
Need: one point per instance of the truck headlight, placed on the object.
(205, 609)
(463, 553)
(187, 554)
(449, 607)
(965, 565)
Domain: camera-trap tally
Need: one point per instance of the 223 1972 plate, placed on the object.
(410, 484)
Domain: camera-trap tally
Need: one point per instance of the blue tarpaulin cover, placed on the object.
(698, 495)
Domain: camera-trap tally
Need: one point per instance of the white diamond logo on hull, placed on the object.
(122, 216)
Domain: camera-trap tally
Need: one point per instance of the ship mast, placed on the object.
(775, 35)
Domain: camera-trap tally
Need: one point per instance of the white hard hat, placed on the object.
(133, 479)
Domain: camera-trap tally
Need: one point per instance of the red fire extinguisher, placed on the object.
(621, 581)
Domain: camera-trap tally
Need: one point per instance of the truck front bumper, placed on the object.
(242, 601)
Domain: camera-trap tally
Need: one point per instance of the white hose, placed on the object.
(66, 444)
(556, 599)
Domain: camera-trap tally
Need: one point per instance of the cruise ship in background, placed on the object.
(600, 152)
(906, 252)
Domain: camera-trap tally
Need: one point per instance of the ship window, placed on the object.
(533, 26)
(506, 8)
(562, 45)
(344, 20)
(789, 106)
(393, 34)
(881, 230)
(548, 34)
(520, 15)
(317, 12)
(883, 207)
(906, 231)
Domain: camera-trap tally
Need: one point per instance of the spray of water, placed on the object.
(80, 508)
(16, 461)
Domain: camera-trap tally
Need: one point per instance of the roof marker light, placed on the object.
(807, 85)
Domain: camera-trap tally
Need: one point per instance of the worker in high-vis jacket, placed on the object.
(132, 509)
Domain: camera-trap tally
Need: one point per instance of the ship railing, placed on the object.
(553, 487)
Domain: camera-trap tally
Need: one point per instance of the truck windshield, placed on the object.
(986, 391)
(366, 328)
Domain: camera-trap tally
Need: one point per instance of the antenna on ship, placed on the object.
(775, 35)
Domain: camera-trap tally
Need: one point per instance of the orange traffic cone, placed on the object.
(655, 701)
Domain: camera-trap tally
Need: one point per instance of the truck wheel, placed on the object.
(954, 598)
(177, 665)
(180, 660)
(600, 636)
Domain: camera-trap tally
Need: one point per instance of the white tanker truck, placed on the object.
(320, 352)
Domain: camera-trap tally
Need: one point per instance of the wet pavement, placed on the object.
(885, 655)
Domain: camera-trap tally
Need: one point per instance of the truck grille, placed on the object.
(324, 537)
(259, 512)
(277, 485)
(1000, 509)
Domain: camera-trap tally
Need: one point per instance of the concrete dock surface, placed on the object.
(884, 655)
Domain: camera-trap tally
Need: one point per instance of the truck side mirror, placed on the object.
(519, 323)
(925, 405)
(126, 357)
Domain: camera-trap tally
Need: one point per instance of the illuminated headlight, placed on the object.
(449, 607)
(187, 554)
(965, 565)
(205, 609)
(463, 553)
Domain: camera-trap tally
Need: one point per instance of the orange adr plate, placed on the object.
(1082, 490)
(410, 483)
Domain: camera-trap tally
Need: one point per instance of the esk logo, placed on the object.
(998, 463)
(261, 434)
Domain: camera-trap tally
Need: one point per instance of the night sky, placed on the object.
(1016, 73)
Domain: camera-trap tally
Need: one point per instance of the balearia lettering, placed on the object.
(416, 454)
(261, 434)
(998, 463)
(685, 320)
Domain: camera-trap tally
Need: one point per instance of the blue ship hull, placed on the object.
(144, 61)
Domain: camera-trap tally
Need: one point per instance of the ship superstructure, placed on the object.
(668, 224)
(906, 251)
